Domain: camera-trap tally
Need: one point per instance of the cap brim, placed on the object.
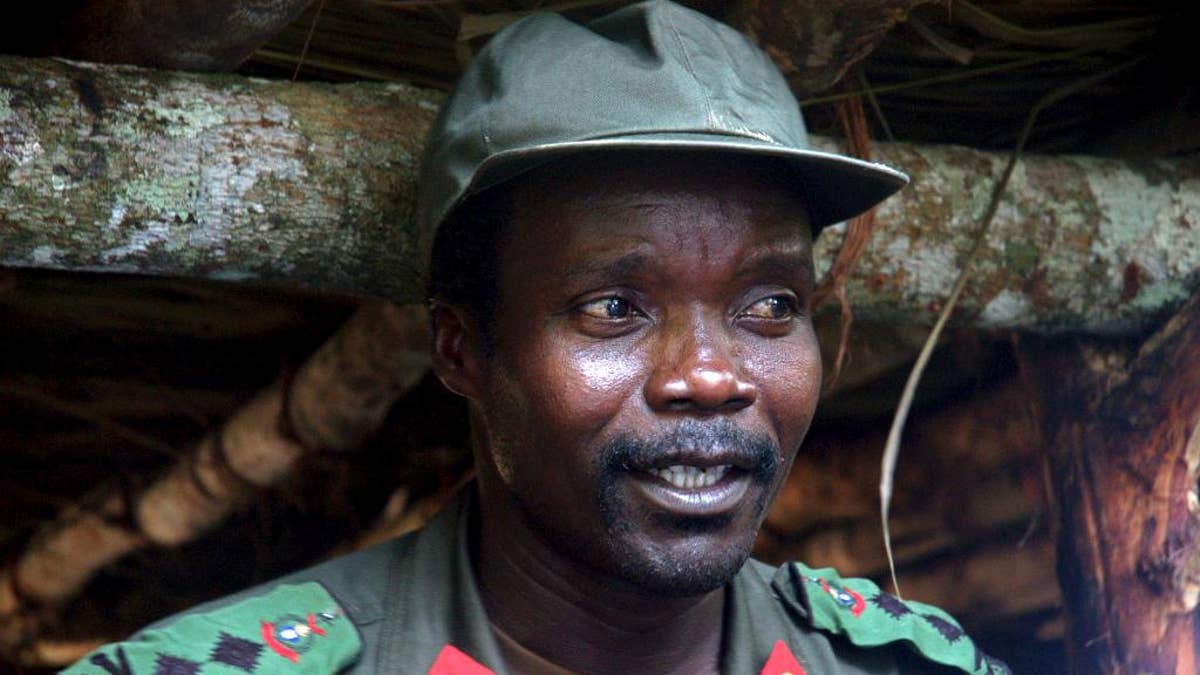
(833, 187)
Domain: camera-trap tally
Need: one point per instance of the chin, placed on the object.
(664, 556)
(685, 569)
(674, 555)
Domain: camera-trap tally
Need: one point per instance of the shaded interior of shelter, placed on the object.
(104, 379)
(92, 364)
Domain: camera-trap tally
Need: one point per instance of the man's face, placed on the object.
(655, 368)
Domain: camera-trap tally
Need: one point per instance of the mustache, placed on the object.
(691, 441)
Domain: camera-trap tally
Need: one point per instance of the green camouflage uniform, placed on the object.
(396, 607)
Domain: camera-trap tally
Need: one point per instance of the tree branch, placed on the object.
(338, 397)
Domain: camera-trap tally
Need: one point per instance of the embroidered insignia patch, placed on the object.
(307, 630)
(845, 597)
(166, 664)
(948, 629)
(782, 662)
(236, 652)
(121, 667)
(890, 604)
(839, 606)
(291, 635)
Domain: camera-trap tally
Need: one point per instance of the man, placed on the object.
(620, 218)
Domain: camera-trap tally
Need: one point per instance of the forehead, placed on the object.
(678, 202)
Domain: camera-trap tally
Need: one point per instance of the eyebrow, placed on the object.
(786, 265)
(779, 265)
(623, 266)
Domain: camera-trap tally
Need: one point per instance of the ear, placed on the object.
(458, 358)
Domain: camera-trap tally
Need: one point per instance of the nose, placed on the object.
(698, 371)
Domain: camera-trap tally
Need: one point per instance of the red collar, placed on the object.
(451, 661)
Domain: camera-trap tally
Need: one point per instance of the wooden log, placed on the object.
(336, 399)
(123, 169)
(990, 584)
(352, 381)
(1123, 449)
(113, 398)
(855, 545)
(1078, 244)
(951, 456)
(117, 168)
(976, 557)
(176, 34)
(815, 42)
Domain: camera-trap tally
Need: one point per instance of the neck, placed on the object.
(583, 621)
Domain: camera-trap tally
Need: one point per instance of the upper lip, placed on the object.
(735, 457)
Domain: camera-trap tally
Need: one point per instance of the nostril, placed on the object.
(700, 406)
(736, 403)
(676, 404)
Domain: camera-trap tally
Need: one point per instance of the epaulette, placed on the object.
(859, 611)
(294, 628)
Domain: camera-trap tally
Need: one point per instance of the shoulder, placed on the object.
(300, 623)
(312, 619)
(858, 611)
(354, 580)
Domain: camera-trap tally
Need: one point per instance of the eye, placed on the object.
(611, 308)
(774, 308)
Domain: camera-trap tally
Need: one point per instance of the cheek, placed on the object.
(576, 388)
(788, 373)
(607, 377)
(599, 373)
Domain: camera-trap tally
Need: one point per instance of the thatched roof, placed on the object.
(953, 72)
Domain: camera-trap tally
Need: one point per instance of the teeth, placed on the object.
(692, 477)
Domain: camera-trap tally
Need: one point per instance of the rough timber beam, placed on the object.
(1122, 448)
(214, 35)
(122, 169)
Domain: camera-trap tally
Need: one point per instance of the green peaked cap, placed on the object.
(650, 77)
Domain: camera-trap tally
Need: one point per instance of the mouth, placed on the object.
(693, 490)
(700, 475)
(687, 477)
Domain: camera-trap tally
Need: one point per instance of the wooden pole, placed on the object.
(815, 42)
(123, 169)
(179, 34)
(1123, 451)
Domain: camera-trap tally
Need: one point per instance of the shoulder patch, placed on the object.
(858, 610)
(294, 628)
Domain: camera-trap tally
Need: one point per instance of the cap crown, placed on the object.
(651, 68)
(651, 76)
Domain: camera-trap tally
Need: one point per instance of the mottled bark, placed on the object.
(1123, 449)
(1078, 244)
(124, 169)
(111, 168)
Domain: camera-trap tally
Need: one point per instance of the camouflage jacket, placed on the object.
(412, 605)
